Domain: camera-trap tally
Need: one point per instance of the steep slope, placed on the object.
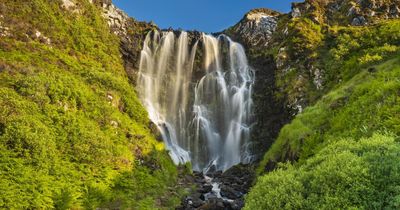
(73, 133)
(308, 59)
(309, 52)
(335, 69)
(347, 146)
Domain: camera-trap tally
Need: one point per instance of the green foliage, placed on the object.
(309, 51)
(305, 37)
(365, 104)
(360, 70)
(73, 134)
(347, 174)
(349, 49)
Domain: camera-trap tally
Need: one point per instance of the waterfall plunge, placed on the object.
(204, 120)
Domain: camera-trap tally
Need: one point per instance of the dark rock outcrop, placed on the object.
(270, 111)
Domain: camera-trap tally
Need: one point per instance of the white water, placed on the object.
(204, 117)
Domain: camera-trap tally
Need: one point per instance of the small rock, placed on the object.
(110, 97)
(197, 203)
(114, 123)
(372, 70)
(295, 12)
(359, 21)
(68, 4)
(394, 11)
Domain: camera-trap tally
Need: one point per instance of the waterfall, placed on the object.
(198, 93)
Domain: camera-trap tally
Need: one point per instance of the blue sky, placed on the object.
(202, 15)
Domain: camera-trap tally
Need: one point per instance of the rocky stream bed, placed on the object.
(217, 190)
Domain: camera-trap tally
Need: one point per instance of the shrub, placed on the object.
(347, 174)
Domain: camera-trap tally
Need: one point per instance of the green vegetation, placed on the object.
(344, 149)
(328, 54)
(72, 131)
(347, 174)
(350, 49)
(360, 107)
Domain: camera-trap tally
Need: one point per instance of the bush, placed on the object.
(347, 174)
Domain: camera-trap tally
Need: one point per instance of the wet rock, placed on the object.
(205, 189)
(213, 204)
(233, 185)
(196, 202)
(236, 205)
(230, 193)
(154, 129)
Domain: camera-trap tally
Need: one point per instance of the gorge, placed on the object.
(296, 110)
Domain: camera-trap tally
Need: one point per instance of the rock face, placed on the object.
(271, 111)
(256, 28)
(255, 31)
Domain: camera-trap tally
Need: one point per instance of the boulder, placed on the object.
(229, 192)
(205, 188)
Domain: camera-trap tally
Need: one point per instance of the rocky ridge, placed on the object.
(256, 28)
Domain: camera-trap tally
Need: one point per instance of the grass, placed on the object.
(365, 104)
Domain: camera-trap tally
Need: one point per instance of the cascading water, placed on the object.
(203, 119)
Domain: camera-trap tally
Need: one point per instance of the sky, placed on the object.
(202, 15)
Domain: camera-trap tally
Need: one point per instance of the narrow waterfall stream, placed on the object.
(198, 92)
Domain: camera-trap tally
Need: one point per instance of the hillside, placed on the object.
(73, 133)
(344, 149)
(335, 69)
